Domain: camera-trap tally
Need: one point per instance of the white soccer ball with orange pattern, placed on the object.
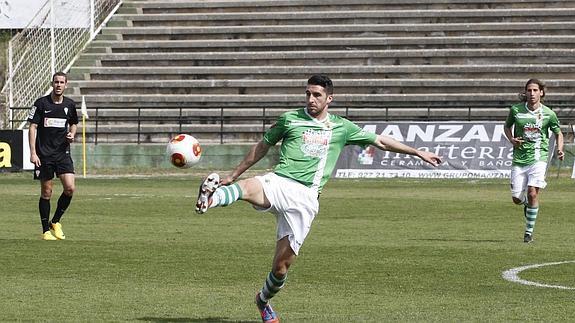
(184, 151)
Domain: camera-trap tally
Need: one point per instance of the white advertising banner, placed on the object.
(468, 150)
(68, 14)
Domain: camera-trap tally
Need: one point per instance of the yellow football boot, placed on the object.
(48, 236)
(57, 228)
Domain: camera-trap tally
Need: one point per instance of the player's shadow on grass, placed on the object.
(191, 320)
(458, 240)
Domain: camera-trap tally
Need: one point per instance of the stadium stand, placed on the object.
(223, 70)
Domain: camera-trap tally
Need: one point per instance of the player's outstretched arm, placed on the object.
(390, 144)
(257, 152)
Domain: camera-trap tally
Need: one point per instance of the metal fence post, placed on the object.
(10, 93)
(221, 125)
(96, 131)
(139, 123)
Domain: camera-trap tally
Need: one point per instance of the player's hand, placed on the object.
(34, 159)
(560, 154)
(70, 137)
(517, 141)
(430, 157)
(226, 180)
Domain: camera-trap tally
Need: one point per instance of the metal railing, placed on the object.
(232, 125)
(51, 42)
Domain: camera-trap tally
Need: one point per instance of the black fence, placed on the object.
(233, 125)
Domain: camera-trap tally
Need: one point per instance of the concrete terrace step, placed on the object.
(346, 17)
(261, 115)
(334, 57)
(344, 99)
(246, 5)
(290, 86)
(537, 41)
(301, 72)
(338, 30)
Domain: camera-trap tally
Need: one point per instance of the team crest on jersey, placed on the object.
(531, 131)
(66, 111)
(315, 142)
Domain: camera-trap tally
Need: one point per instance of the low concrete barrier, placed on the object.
(214, 157)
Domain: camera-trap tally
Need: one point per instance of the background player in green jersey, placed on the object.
(527, 128)
(312, 140)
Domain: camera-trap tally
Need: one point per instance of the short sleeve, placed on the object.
(73, 114)
(35, 113)
(358, 136)
(276, 132)
(554, 124)
(510, 119)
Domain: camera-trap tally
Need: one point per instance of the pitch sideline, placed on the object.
(512, 275)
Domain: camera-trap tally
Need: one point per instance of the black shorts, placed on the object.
(45, 172)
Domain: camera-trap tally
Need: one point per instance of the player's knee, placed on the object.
(69, 190)
(280, 270)
(46, 193)
(247, 187)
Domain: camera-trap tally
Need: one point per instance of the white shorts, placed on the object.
(295, 206)
(532, 175)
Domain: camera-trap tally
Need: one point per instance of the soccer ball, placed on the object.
(184, 151)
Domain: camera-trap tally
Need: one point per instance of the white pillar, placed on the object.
(92, 19)
(52, 36)
(10, 74)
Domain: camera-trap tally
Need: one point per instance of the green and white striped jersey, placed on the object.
(533, 127)
(310, 147)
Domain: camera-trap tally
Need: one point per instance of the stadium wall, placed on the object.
(214, 157)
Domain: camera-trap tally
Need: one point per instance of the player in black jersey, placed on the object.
(53, 123)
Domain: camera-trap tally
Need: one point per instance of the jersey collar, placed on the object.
(536, 111)
(322, 121)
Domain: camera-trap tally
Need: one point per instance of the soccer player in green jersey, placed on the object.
(312, 140)
(527, 128)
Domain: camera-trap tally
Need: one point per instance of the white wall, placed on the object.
(17, 14)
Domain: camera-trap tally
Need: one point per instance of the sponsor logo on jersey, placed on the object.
(531, 131)
(54, 123)
(315, 142)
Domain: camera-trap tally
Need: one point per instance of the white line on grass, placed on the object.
(512, 275)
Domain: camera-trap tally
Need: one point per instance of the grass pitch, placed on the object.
(380, 250)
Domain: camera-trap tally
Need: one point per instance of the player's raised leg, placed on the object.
(207, 189)
(211, 194)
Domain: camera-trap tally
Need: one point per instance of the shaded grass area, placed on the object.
(380, 250)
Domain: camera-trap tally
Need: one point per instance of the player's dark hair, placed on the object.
(540, 84)
(322, 81)
(60, 73)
